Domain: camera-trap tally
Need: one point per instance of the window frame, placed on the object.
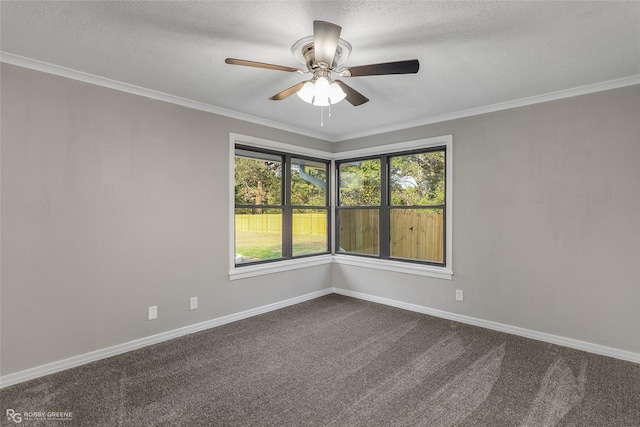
(384, 261)
(291, 207)
(267, 206)
(385, 206)
(287, 260)
(388, 207)
(402, 266)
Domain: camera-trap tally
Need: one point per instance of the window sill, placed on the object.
(396, 266)
(279, 266)
(380, 264)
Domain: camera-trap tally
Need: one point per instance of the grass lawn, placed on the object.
(260, 246)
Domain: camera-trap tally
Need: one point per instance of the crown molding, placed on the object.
(522, 102)
(69, 73)
(45, 67)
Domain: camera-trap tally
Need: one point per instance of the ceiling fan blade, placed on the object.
(354, 97)
(246, 63)
(325, 41)
(287, 92)
(410, 66)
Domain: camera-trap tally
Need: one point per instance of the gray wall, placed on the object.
(111, 203)
(546, 220)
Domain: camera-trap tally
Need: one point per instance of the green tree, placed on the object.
(360, 183)
(257, 182)
(417, 179)
(309, 184)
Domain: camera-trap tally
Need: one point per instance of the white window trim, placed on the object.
(445, 272)
(397, 266)
(279, 266)
(276, 266)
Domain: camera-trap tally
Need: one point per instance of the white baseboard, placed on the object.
(514, 330)
(61, 365)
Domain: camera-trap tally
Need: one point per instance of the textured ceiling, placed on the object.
(472, 54)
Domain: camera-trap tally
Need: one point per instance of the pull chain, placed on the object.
(322, 115)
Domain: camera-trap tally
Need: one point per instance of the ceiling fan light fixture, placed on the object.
(307, 92)
(320, 101)
(320, 92)
(321, 98)
(336, 94)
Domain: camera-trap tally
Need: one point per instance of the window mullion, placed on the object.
(384, 208)
(327, 207)
(287, 211)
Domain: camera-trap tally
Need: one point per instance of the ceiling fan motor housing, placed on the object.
(304, 52)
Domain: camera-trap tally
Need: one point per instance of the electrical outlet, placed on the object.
(153, 312)
(459, 295)
(193, 303)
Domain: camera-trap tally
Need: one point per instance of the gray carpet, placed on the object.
(338, 361)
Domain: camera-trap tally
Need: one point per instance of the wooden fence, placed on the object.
(417, 234)
(310, 224)
(359, 231)
(414, 234)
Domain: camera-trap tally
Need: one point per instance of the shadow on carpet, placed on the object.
(337, 361)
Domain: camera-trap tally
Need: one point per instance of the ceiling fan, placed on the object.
(322, 54)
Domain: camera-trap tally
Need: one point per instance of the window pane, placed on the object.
(360, 183)
(417, 179)
(309, 231)
(258, 235)
(308, 183)
(258, 178)
(359, 231)
(417, 234)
